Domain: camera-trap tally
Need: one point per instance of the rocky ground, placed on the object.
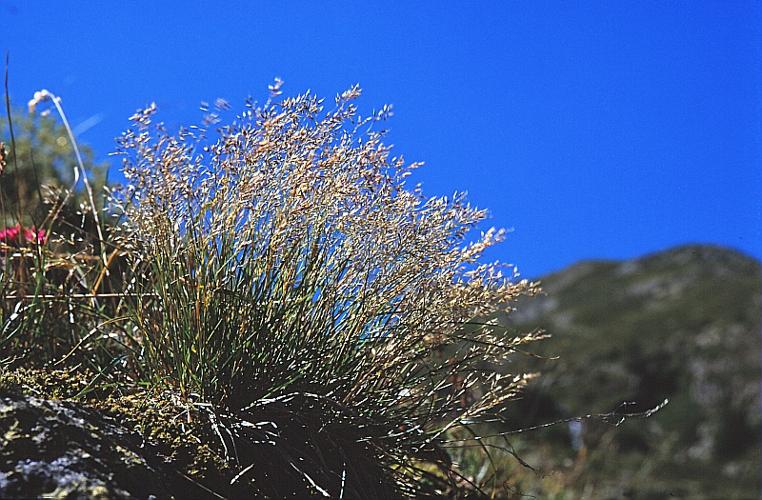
(56, 445)
(55, 449)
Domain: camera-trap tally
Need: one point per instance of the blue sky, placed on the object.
(603, 130)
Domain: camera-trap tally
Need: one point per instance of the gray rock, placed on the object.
(57, 449)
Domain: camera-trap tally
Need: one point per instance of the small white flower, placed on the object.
(39, 97)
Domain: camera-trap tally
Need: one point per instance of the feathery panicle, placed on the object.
(286, 263)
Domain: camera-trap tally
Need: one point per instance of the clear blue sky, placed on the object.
(598, 131)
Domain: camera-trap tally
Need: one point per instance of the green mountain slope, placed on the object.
(682, 325)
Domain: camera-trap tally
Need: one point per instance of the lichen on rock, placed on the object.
(54, 449)
(119, 446)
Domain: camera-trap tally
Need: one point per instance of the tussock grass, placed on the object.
(277, 275)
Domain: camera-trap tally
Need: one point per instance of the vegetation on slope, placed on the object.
(682, 325)
(271, 308)
(277, 281)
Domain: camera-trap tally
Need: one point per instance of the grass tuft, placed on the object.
(273, 273)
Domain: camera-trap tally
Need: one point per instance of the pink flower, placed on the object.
(34, 235)
(10, 235)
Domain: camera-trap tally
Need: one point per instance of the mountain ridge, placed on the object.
(706, 246)
(681, 324)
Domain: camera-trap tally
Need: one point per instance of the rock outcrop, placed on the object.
(56, 449)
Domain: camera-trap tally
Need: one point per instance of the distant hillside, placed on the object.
(683, 324)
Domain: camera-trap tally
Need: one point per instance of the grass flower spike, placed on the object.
(285, 273)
